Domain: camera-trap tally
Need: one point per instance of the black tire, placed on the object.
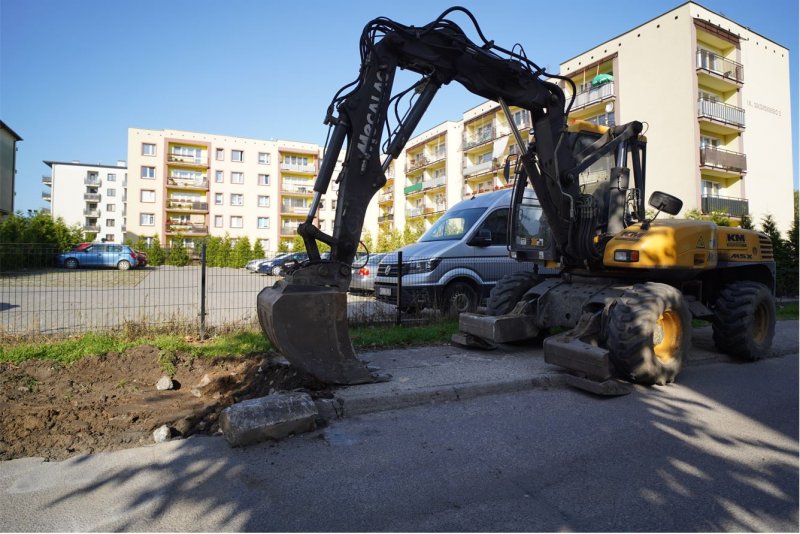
(649, 333)
(744, 324)
(71, 263)
(124, 265)
(506, 293)
(459, 297)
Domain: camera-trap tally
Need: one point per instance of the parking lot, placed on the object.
(59, 301)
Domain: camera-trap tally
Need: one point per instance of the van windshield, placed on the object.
(452, 225)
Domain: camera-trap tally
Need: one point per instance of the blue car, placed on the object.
(279, 266)
(121, 257)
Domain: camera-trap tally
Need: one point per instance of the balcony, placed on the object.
(592, 96)
(386, 197)
(187, 183)
(289, 230)
(733, 207)
(95, 213)
(718, 72)
(47, 180)
(46, 195)
(479, 138)
(91, 227)
(480, 168)
(725, 161)
(416, 163)
(92, 182)
(729, 118)
(433, 183)
(414, 212)
(297, 189)
(186, 229)
(296, 167)
(91, 197)
(295, 210)
(411, 189)
(187, 160)
(385, 218)
(186, 205)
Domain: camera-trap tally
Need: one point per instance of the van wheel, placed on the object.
(459, 297)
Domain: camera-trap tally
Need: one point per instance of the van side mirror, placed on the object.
(482, 239)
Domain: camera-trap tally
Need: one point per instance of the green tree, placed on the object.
(412, 232)
(213, 251)
(720, 217)
(156, 254)
(177, 255)
(389, 240)
(258, 250)
(242, 252)
(786, 274)
(746, 222)
(283, 245)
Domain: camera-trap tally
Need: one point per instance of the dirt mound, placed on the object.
(111, 401)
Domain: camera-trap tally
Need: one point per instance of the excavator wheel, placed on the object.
(744, 324)
(649, 333)
(506, 293)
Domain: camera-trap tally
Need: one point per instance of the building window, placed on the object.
(263, 179)
(147, 195)
(147, 219)
(111, 177)
(265, 244)
(148, 149)
(149, 173)
(237, 155)
(236, 221)
(217, 221)
(109, 222)
(220, 154)
(219, 177)
(111, 192)
(237, 200)
(291, 159)
(237, 177)
(109, 238)
(263, 201)
(263, 158)
(710, 189)
(263, 222)
(218, 199)
(111, 207)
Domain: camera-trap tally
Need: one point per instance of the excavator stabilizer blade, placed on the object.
(308, 325)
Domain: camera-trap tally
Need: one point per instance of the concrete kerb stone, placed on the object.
(272, 417)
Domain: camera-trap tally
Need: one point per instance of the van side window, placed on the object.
(497, 224)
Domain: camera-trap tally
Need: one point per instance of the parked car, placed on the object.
(121, 257)
(82, 246)
(281, 265)
(141, 258)
(253, 265)
(364, 273)
(457, 262)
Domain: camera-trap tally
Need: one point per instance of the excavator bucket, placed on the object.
(308, 325)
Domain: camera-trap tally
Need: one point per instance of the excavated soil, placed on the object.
(111, 402)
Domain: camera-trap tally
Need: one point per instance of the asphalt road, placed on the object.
(716, 452)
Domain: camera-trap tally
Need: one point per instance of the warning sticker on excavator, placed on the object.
(701, 243)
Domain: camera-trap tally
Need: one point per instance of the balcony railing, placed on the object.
(476, 169)
(386, 217)
(720, 112)
(480, 138)
(387, 197)
(92, 213)
(412, 188)
(92, 197)
(187, 228)
(295, 209)
(727, 68)
(723, 159)
(47, 180)
(91, 227)
(191, 160)
(435, 182)
(590, 96)
(187, 205)
(416, 163)
(295, 167)
(296, 188)
(46, 195)
(92, 182)
(288, 230)
(414, 212)
(188, 182)
(733, 207)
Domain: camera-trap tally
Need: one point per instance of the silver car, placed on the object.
(364, 273)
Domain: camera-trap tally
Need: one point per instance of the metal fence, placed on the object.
(38, 298)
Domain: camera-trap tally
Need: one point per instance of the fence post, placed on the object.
(399, 286)
(203, 291)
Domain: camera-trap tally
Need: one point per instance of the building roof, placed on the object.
(664, 13)
(5, 127)
(79, 164)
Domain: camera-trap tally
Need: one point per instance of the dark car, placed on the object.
(121, 257)
(282, 265)
(141, 258)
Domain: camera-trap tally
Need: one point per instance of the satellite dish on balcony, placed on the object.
(609, 107)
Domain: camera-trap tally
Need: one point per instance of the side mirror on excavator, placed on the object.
(665, 202)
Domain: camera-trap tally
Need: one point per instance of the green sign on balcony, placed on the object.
(412, 188)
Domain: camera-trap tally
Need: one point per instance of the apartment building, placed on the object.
(715, 97)
(188, 185)
(90, 196)
(8, 169)
(717, 139)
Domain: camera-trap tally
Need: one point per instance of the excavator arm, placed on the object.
(305, 315)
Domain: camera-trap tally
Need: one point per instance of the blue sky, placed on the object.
(76, 74)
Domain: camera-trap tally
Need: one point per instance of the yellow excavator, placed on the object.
(628, 284)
